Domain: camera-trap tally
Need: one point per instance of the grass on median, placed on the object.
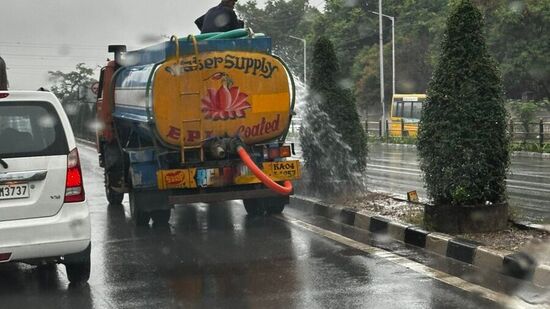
(512, 239)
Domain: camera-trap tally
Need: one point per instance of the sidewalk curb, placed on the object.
(515, 264)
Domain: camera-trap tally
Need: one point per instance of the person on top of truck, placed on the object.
(220, 18)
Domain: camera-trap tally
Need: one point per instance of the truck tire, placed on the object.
(78, 266)
(140, 217)
(268, 205)
(254, 207)
(275, 206)
(113, 197)
(161, 217)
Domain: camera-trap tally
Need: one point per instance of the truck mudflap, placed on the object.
(192, 178)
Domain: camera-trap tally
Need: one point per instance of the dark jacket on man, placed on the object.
(219, 19)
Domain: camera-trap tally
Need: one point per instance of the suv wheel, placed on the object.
(78, 266)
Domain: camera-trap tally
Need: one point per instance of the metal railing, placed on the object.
(374, 129)
(534, 132)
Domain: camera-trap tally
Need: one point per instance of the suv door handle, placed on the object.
(22, 176)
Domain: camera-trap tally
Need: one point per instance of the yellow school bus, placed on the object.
(405, 114)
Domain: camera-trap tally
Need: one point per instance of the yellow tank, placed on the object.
(195, 97)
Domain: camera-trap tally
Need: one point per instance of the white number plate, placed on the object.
(14, 191)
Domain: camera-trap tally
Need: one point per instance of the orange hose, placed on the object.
(283, 190)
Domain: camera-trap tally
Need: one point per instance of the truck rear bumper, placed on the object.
(222, 196)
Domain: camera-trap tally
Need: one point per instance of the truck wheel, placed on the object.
(114, 198)
(161, 217)
(78, 266)
(140, 217)
(275, 206)
(254, 207)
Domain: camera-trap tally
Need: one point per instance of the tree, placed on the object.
(337, 102)
(517, 33)
(354, 31)
(67, 85)
(526, 112)
(275, 20)
(518, 38)
(462, 139)
(332, 139)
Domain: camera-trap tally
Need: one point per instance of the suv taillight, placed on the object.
(74, 186)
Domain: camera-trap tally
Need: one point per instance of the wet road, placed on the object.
(216, 256)
(395, 169)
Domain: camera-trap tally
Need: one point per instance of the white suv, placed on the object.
(44, 217)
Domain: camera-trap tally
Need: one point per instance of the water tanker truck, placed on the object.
(197, 119)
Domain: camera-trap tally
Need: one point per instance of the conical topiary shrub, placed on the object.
(462, 139)
(332, 139)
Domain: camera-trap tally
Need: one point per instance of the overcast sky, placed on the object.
(38, 36)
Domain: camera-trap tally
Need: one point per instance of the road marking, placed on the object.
(411, 163)
(389, 170)
(527, 188)
(509, 301)
(398, 165)
(401, 171)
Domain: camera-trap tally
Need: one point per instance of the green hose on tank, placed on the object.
(233, 34)
(204, 36)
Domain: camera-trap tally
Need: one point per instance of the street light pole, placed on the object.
(393, 54)
(392, 47)
(305, 57)
(381, 65)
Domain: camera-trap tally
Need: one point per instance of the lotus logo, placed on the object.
(227, 102)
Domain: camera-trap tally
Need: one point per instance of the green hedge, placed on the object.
(463, 143)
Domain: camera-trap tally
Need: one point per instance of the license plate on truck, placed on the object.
(219, 177)
(277, 171)
(14, 191)
(285, 169)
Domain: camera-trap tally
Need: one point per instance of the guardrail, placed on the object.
(535, 132)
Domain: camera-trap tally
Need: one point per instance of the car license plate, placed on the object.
(20, 190)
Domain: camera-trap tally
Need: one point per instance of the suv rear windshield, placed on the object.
(30, 129)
